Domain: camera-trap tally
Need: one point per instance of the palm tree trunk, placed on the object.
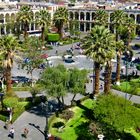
(8, 79)
(25, 30)
(108, 71)
(118, 68)
(60, 31)
(42, 35)
(97, 78)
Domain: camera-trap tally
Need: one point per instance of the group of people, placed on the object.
(12, 132)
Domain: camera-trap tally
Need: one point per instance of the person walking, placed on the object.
(26, 131)
(12, 132)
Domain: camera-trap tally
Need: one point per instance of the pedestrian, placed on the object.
(7, 124)
(133, 73)
(121, 71)
(136, 74)
(101, 87)
(26, 131)
(12, 132)
(56, 52)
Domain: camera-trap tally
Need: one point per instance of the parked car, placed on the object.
(20, 79)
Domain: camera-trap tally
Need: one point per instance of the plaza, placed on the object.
(72, 81)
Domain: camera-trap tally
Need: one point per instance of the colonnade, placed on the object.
(86, 17)
(7, 16)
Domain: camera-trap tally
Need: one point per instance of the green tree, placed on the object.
(43, 19)
(25, 17)
(101, 17)
(116, 115)
(32, 44)
(129, 31)
(96, 46)
(118, 21)
(108, 66)
(60, 18)
(54, 80)
(9, 45)
(77, 80)
(74, 27)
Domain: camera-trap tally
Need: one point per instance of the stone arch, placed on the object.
(71, 15)
(7, 18)
(82, 26)
(132, 16)
(13, 16)
(87, 16)
(82, 16)
(138, 19)
(93, 15)
(76, 15)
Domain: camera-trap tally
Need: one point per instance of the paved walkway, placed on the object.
(32, 117)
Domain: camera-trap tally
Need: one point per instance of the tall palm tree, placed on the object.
(118, 20)
(108, 66)
(43, 19)
(60, 18)
(25, 16)
(9, 45)
(129, 28)
(97, 46)
(101, 17)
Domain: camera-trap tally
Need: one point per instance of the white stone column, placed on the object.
(30, 27)
(90, 16)
(135, 16)
(90, 26)
(84, 27)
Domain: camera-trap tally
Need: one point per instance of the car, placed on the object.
(20, 79)
(68, 58)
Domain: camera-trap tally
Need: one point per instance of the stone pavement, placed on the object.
(33, 120)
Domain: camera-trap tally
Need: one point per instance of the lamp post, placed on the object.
(45, 106)
(128, 58)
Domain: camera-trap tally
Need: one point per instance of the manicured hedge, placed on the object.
(53, 37)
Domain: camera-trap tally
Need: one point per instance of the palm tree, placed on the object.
(9, 45)
(97, 46)
(25, 16)
(118, 20)
(108, 66)
(129, 28)
(60, 18)
(43, 19)
(101, 17)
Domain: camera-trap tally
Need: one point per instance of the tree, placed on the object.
(118, 21)
(32, 44)
(116, 115)
(60, 18)
(101, 17)
(9, 46)
(96, 46)
(25, 16)
(108, 66)
(54, 80)
(74, 27)
(128, 31)
(43, 19)
(76, 81)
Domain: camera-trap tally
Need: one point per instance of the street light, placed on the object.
(45, 106)
(128, 58)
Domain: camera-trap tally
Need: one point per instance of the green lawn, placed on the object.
(132, 87)
(68, 132)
